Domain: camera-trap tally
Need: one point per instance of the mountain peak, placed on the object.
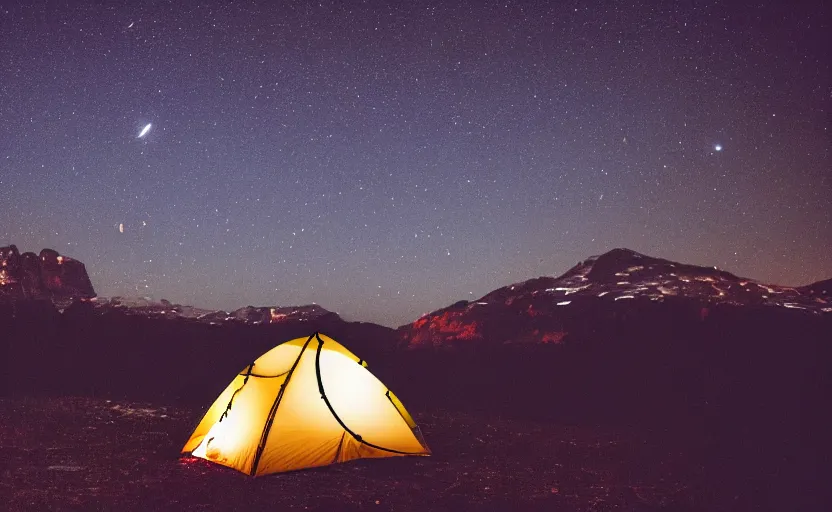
(623, 252)
(46, 275)
(616, 261)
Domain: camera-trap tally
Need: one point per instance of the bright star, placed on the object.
(718, 147)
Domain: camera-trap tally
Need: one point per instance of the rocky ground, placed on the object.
(93, 454)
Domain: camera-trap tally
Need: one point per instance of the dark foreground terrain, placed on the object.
(94, 454)
(683, 403)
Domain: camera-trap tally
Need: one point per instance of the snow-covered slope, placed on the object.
(623, 274)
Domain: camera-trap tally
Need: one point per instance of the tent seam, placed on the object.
(335, 415)
(270, 418)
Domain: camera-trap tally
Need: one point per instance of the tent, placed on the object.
(305, 403)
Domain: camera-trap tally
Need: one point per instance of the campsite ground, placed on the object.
(93, 454)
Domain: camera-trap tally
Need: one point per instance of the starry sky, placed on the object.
(387, 159)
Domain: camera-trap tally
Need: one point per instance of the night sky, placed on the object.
(384, 161)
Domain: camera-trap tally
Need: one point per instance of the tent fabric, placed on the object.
(305, 403)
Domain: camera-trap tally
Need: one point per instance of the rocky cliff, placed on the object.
(47, 275)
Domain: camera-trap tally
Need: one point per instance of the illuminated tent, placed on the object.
(305, 403)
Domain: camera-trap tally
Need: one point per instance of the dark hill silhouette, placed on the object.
(822, 289)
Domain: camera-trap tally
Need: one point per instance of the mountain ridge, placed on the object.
(539, 308)
(620, 274)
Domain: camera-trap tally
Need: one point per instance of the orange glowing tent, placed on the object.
(305, 403)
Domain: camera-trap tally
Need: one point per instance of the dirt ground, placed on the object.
(93, 454)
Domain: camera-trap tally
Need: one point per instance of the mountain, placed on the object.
(538, 310)
(62, 280)
(47, 275)
(530, 311)
(83, 343)
(164, 309)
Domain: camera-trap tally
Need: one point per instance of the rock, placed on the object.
(48, 275)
